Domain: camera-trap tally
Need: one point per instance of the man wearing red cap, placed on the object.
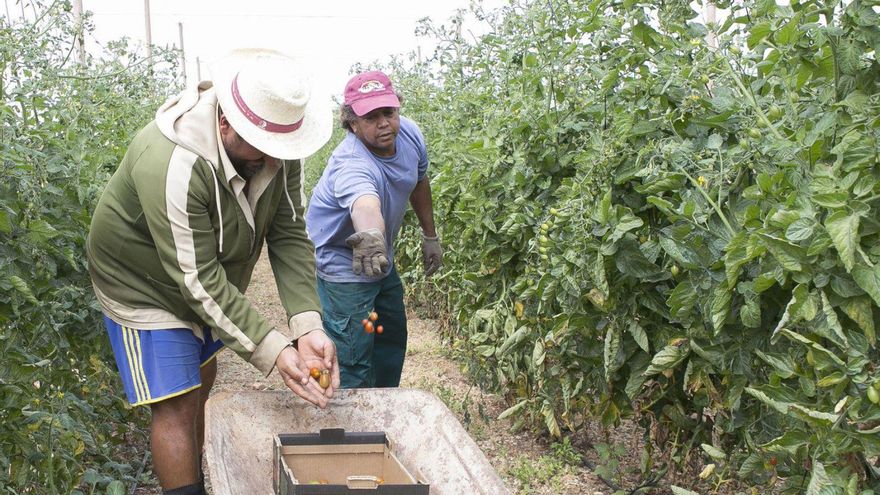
(354, 215)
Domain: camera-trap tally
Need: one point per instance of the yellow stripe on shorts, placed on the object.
(131, 363)
(140, 358)
(134, 362)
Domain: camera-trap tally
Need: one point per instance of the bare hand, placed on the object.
(295, 373)
(318, 351)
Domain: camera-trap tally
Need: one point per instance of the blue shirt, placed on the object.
(354, 171)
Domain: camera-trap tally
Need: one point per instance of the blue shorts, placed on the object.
(159, 364)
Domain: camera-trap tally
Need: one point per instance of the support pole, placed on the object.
(709, 15)
(80, 33)
(182, 53)
(198, 70)
(149, 33)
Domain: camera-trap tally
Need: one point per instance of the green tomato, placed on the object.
(554, 211)
(734, 50)
(873, 395)
(675, 270)
(704, 79)
(754, 133)
(774, 112)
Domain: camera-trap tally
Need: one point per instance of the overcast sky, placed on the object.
(330, 35)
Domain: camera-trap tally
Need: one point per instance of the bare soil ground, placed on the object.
(527, 461)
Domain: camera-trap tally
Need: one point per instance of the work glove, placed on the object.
(432, 254)
(369, 255)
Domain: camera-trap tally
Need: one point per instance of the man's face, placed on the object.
(246, 159)
(378, 130)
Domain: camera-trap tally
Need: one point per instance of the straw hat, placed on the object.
(268, 99)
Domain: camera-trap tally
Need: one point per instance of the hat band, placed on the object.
(256, 119)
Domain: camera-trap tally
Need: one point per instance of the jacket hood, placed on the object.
(189, 119)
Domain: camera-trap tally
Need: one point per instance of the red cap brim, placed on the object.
(367, 105)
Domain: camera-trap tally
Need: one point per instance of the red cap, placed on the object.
(368, 91)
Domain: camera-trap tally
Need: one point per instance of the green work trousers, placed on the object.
(366, 359)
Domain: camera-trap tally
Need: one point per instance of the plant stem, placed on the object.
(706, 195)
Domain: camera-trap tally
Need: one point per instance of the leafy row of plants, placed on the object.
(648, 216)
(64, 426)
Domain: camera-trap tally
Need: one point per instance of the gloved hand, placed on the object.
(368, 252)
(432, 254)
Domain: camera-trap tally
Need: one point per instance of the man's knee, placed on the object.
(180, 410)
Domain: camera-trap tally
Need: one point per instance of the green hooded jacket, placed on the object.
(175, 237)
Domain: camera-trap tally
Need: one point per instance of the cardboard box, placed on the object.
(336, 462)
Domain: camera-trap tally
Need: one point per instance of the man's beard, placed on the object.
(246, 169)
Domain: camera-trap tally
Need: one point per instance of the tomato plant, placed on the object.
(64, 424)
(709, 264)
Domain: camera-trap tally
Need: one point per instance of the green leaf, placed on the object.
(758, 33)
(550, 420)
(844, 232)
(720, 307)
(832, 323)
(513, 340)
(789, 33)
(5, 223)
(630, 261)
(672, 182)
(819, 480)
(764, 281)
(538, 353)
(627, 222)
(861, 311)
(735, 257)
(750, 312)
(856, 100)
(510, 411)
(40, 232)
(681, 491)
(116, 487)
(831, 200)
(800, 230)
(779, 406)
(787, 254)
(23, 288)
(714, 452)
(639, 335)
(611, 348)
(869, 280)
(818, 347)
(782, 363)
(669, 357)
(682, 299)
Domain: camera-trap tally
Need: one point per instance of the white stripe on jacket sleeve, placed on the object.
(176, 196)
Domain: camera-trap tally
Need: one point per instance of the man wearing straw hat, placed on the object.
(175, 237)
(355, 212)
